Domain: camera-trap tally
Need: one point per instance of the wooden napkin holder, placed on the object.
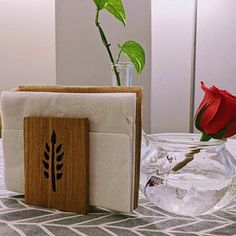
(63, 190)
(138, 120)
(56, 163)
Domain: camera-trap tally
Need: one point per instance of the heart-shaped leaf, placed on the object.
(135, 53)
(116, 8)
(100, 3)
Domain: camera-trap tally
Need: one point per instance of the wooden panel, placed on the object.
(56, 163)
(106, 89)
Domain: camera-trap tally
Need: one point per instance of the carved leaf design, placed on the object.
(59, 157)
(47, 147)
(59, 166)
(52, 154)
(46, 174)
(46, 155)
(53, 137)
(45, 164)
(59, 176)
(58, 148)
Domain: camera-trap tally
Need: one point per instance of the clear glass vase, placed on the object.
(186, 176)
(122, 74)
(125, 72)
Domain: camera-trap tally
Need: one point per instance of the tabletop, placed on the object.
(17, 218)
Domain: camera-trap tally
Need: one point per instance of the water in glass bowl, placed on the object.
(200, 185)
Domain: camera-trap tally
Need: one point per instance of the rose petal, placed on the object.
(213, 101)
(231, 130)
(210, 112)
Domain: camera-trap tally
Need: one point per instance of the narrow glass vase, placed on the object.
(122, 74)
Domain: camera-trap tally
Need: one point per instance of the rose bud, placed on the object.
(216, 114)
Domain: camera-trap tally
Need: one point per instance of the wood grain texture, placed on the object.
(56, 163)
(106, 89)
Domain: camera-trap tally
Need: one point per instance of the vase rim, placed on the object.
(123, 63)
(184, 139)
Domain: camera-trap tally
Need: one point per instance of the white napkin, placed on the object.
(112, 139)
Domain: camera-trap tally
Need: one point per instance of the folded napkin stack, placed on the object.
(112, 139)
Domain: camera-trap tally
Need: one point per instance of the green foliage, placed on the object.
(115, 7)
(131, 49)
(135, 53)
(205, 137)
(100, 3)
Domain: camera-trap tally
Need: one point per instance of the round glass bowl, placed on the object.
(185, 176)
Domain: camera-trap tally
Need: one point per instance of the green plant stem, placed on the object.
(118, 57)
(205, 137)
(107, 46)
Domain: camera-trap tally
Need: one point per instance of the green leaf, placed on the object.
(135, 53)
(116, 8)
(100, 3)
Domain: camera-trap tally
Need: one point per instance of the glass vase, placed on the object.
(122, 74)
(125, 72)
(186, 176)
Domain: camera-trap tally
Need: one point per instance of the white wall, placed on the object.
(27, 43)
(172, 43)
(27, 49)
(81, 57)
(216, 46)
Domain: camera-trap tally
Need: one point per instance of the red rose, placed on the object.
(216, 114)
